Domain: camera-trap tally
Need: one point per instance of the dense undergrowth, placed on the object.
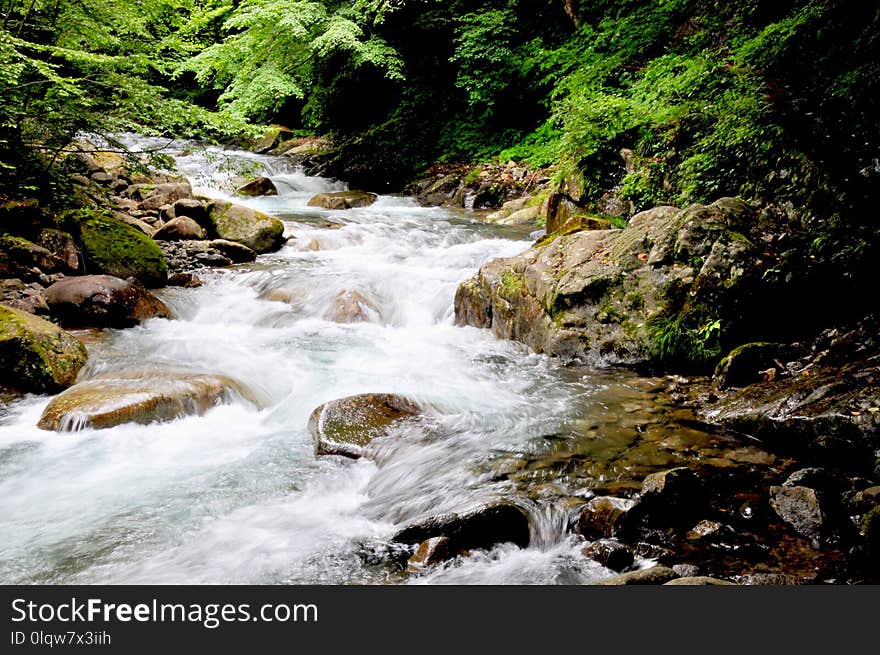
(771, 101)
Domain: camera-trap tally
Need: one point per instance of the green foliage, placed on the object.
(681, 339)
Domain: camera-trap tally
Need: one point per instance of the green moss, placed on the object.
(115, 248)
(512, 282)
(35, 355)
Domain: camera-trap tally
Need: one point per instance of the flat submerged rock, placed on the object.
(139, 397)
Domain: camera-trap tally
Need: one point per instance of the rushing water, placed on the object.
(238, 496)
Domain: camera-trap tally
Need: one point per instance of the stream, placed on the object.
(238, 496)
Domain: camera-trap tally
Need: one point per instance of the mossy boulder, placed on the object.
(674, 285)
(112, 247)
(254, 229)
(139, 396)
(347, 426)
(35, 355)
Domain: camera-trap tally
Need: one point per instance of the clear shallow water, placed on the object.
(237, 495)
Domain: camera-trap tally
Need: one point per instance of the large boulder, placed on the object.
(35, 355)
(675, 284)
(343, 200)
(256, 230)
(346, 426)
(103, 301)
(139, 396)
(111, 247)
(480, 527)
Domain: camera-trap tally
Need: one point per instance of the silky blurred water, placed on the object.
(237, 495)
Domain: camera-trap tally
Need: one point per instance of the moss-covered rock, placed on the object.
(674, 285)
(35, 355)
(347, 425)
(256, 230)
(112, 247)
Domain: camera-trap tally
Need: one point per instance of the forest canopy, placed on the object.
(765, 100)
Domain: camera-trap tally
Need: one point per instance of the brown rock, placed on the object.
(605, 516)
(103, 301)
(699, 581)
(181, 228)
(430, 552)
(610, 554)
(261, 186)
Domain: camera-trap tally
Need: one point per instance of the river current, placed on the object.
(238, 496)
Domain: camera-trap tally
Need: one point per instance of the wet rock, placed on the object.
(610, 554)
(346, 426)
(699, 581)
(181, 228)
(278, 295)
(352, 307)
(139, 396)
(111, 247)
(343, 200)
(674, 493)
(35, 355)
(430, 553)
(710, 531)
(482, 527)
(746, 364)
(801, 508)
(261, 186)
(256, 230)
(103, 301)
(185, 280)
(605, 516)
(657, 575)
